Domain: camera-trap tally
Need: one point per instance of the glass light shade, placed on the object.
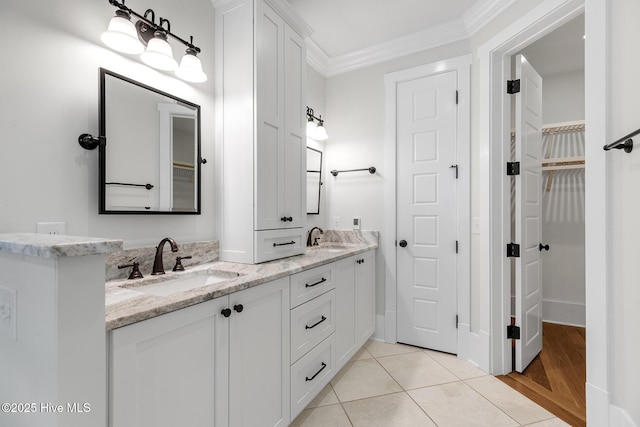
(159, 54)
(320, 134)
(121, 35)
(311, 127)
(191, 68)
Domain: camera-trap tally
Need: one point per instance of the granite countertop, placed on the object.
(52, 245)
(125, 305)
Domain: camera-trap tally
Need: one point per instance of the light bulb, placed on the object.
(311, 127)
(320, 134)
(191, 68)
(121, 34)
(159, 54)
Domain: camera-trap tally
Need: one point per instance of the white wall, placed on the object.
(563, 228)
(49, 86)
(624, 208)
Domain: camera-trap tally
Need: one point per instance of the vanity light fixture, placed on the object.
(123, 36)
(315, 131)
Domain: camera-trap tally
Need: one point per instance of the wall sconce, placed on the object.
(315, 131)
(123, 36)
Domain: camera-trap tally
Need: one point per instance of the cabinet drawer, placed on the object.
(274, 244)
(311, 323)
(308, 284)
(311, 373)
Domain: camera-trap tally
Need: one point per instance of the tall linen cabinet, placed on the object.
(260, 130)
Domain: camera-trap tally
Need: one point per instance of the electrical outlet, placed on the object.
(51, 228)
(336, 223)
(8, 313)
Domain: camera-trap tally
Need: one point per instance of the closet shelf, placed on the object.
(562, 163)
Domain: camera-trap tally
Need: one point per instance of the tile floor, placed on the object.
(391, 385)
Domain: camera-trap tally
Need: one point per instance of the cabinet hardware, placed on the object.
(315, 324)
(286, 218)
(403, 243)
(541, 247)
(284, 244)
(306, 285)
(238, 308)
(324, 365)
(226, 312)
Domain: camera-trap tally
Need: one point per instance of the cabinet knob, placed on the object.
(226, 312)
(238, 308)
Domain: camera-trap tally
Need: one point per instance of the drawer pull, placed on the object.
(324, 365)
(284, 244)
(306, 285)
(315, 324)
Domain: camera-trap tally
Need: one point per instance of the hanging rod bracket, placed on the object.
(625, 143)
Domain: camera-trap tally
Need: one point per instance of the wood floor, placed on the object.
(556, 377)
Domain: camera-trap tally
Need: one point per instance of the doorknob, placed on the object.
(545, 247)
(403, 243)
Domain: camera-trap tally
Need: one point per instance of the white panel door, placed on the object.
(426, 212)
(528, 213)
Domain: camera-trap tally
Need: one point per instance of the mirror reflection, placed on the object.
(150, 162)
(314, 180)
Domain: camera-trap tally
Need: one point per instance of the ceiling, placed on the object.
(350, 34)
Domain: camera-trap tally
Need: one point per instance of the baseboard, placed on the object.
(597, 406)
(564, 313)
(618, 417)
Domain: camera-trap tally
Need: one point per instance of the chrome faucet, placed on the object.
(158, 266)
(310, 236)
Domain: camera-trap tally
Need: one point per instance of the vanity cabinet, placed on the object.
(355, 304)
(224, 362)
(261, 119)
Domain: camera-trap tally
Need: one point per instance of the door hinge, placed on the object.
(513, 168)
(513, 332)
(456, 97)
(456, 246)
(456, 321)
(513, 250)
(513, 86)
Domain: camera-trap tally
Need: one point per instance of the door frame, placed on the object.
(494, 281)
(462, 66)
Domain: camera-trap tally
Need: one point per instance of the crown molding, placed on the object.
(482, 12)
(422, 40)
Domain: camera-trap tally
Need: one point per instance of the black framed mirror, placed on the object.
(150, 161)
(314, 180)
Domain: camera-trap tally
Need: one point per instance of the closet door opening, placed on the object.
(558, 373)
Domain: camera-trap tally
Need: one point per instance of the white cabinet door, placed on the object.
(345, 316)
(270, 97)
(259, 388)
(365, 297)
(355, 304)
(163, 370)
(294, 175)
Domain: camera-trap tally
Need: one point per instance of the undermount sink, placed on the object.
(331, 247)
(181, 284)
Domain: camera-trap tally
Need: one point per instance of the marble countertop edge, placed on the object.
(51, 246)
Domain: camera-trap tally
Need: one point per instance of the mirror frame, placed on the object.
(320, 183)
(103, 154)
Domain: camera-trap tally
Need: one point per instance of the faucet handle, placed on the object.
(135, 273)
(179, 266)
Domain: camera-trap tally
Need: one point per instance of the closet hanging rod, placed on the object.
(147, 186)
(371, 170)
(625, 143)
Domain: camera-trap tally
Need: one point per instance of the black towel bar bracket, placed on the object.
(625, 143)
(371, 170)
